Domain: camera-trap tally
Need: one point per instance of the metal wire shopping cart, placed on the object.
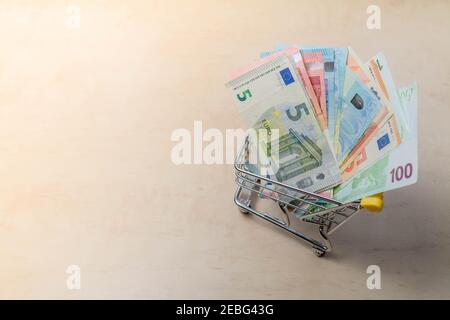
(296, 204)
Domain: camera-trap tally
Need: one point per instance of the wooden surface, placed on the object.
(86, 176)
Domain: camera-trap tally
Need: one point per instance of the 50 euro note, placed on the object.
(270, 99)
(380, 137)
(397, 169)
(379, 71)
(384, 141)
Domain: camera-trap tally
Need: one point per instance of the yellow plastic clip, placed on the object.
(373, 203)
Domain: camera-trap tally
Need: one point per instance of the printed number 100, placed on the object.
(397, 174)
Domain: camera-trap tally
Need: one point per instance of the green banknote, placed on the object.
(359, 108)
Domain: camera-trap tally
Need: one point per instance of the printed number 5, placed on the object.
(244, 95)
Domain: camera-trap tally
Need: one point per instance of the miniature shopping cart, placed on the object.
(295, 204)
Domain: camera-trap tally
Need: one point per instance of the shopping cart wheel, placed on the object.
(244, 211)
(318, 252)
(282, 207)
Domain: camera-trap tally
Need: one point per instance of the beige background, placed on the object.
(85, 172)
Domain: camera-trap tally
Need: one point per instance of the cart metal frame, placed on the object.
(328, 214)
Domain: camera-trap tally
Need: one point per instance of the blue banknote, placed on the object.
(340, 58)
(359, 108)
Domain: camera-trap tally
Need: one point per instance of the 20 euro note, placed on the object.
(359, 109)
(397, 169)
(340, 56)
(271, 97)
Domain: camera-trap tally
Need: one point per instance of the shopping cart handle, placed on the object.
(373, 203)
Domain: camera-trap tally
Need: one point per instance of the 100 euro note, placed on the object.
(271, 98)
(397, 169)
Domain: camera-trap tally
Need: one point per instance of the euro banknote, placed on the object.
(271, 97)
(380, 72)
(384, 141)
(300, 64)
(301, 68)
(359, 109)
(340, 56)
(329, 72)
(382, 137)
(315, 68)
(278, 47)
(397, 169)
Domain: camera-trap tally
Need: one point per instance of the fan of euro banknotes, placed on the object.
(339, 126)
